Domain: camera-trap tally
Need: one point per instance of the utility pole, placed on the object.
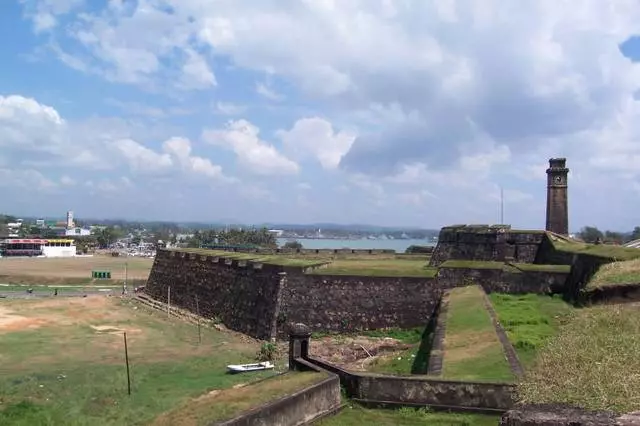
(501, 206)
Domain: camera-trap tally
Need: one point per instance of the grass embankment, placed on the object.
(472, 350)
(356, 416)
(625, 272)
(530, 320)
(592, 363)
(603, 250)
(229, 403)
(395, 267)
(62, 362)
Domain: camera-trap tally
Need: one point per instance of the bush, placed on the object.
(268, 352)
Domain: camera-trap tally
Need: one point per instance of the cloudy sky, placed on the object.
(389, 112)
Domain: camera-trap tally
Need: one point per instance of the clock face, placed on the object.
(558, 179)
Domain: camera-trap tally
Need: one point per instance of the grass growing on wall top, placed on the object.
(602, 250)
(532, 267)
(355, 415)
(625, 272)
(280, 260)
(473, 264)
(378, 267)
(530, 320)
(229, 403)
(592, 363)
(472, 350)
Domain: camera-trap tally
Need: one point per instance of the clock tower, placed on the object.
(557, 200)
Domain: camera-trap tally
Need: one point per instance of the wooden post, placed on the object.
(168, 300)
(198, 318)
(126, 360)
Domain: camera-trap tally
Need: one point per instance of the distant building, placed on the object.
(70, 223)
(276, 232)
(77, 232)
(37, 247)
(40, 223)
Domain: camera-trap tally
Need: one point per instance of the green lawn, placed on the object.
(542, 268)
(593, 362)
(472, 350)
(530, 320)
(62, 362)
(604, 250)
(354, 415)
(394, 267)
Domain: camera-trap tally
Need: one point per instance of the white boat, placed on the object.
(243, 368)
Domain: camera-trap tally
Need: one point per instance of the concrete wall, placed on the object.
(499, 280)
(296, 409)
(242, 297)
(486, 243)
(347, 303)
(564, 415)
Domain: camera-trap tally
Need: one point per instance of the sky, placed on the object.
(400, 113)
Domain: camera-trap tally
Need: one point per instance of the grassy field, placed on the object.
(62, 362)
(394, 267)
(225, 404)
(593, 362)
(357, 416)
(73, 270)
(530, 320)
(472, 350)
(625, 272)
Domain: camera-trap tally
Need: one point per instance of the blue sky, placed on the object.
(407, 113)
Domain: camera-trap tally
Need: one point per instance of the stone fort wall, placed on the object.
(486, 243)
(261, 299)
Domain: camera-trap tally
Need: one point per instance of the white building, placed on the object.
(70, 223)
(59, 248)
(77, 232)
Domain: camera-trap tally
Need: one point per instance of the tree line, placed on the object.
(591, 234)
(233, 237)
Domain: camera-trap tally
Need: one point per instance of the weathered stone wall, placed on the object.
(242, 297)
(344, 303)
(503, 281)
(564, 415)
(486, 243)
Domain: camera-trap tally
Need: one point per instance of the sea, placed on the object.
(329, 243)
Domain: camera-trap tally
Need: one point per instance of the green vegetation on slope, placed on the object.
(532, 267)
(530, 320)
(400, 267)
(592, 363)
(229, 403)
(625, 272)
(472, 350)
(354, 415)
(603, 250)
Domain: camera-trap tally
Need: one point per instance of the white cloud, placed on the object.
(253, 153)
(229, 108)
(268, 92)
(196, 73)
(141, 158)
(316, 136)
(180, 148)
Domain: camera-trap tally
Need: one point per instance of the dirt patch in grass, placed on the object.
(220, 405)
(463, 346)
(593, 362)
(356, 353)
(625, 272)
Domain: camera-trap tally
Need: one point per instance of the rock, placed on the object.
(630, 419)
